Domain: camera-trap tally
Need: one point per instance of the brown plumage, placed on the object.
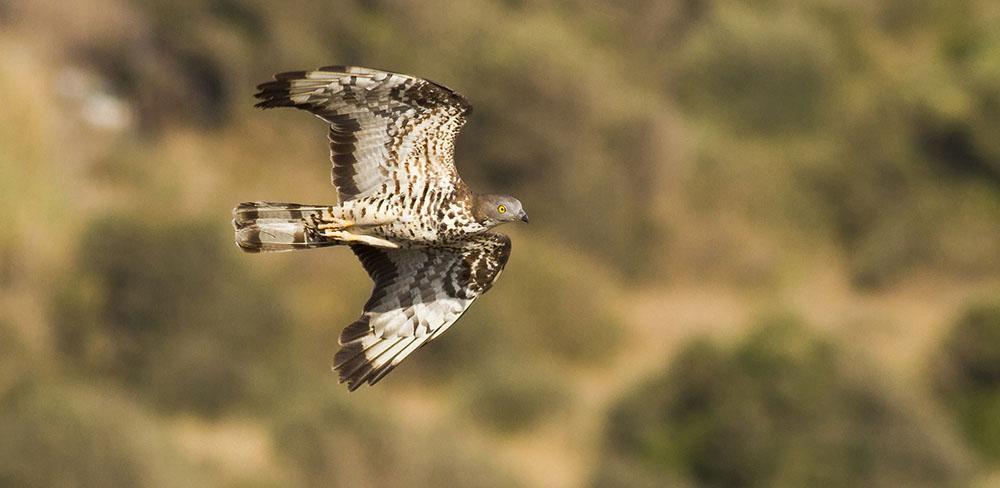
(420, 232)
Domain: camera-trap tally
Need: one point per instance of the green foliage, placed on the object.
(782, 408)
(730, 142)
(967, 377)
(164, 308)
(335, 442)
(885, 154)
(760, 74)
(810, 128)
(71, 436)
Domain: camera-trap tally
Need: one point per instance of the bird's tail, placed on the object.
(276, 227)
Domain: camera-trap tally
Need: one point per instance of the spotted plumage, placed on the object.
(419, 231)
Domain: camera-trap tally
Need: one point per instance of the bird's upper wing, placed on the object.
(418, 294)
(387, 130)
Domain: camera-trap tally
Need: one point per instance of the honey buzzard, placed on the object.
(419, 231)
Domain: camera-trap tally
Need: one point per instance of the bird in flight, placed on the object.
(420, 232)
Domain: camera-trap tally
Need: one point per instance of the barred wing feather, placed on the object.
(387, 130)
(418, 294)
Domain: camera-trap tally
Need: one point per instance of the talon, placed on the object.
(335, 224)
(334, 233)
(345, 236)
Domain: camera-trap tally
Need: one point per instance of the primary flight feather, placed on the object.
(419, 231)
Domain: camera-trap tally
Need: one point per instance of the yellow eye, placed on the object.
(502, 208)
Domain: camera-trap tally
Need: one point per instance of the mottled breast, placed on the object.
(428, 215)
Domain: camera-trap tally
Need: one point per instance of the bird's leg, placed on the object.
(326, 222)
(333, 223)
(336, 229)
(344, 225)
(348, 237)
(333, 218)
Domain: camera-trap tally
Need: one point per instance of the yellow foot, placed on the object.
(344, 236)
(330, 223)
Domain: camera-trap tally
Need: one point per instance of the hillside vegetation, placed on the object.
(764, 247)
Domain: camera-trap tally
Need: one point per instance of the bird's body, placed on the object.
(420, 232)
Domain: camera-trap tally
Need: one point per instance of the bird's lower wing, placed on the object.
(418, 294)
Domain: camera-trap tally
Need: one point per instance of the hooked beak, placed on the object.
(524, 217)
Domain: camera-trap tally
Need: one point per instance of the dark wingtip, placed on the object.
(351, 384)
(273, 104)
(356, 330)
(290, 75)
(273, 94)
(351, 365)
(273, 86)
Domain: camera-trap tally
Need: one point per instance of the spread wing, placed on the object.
(386, 129)
(418, 294)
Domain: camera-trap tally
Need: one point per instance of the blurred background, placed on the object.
(764, 247)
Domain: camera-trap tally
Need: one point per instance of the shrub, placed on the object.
(71, 436)
(332, 442)
(782, 408)
(967, 377)
(762, 76)
(164, 308)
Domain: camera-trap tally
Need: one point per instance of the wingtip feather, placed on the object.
(355, 331)
(357, 365)
(290, 75)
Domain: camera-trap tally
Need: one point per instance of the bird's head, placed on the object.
(498, 209)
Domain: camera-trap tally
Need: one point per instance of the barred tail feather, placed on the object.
(276, 227)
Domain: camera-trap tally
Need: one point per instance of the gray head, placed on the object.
(497, 209)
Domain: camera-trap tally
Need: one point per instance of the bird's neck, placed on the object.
(481, 203)
(477, 208)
